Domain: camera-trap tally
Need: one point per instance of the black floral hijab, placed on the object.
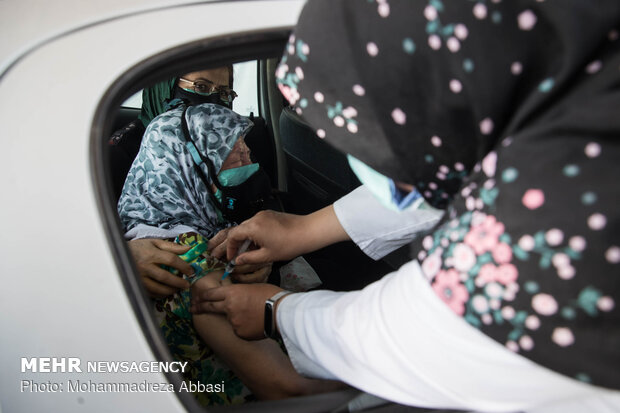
(507, 115)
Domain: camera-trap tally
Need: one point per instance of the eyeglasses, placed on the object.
(205, 87)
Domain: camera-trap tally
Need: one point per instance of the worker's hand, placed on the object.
(247, 273)
(250, 274)
(273, 235)
(277, 236)
(217, 244)
(243, 304)
(149, 254)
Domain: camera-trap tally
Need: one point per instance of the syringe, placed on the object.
(231, 265)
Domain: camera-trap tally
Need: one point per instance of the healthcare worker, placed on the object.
(504, 115)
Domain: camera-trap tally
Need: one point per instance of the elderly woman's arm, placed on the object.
(261, 365)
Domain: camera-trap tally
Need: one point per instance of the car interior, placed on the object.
(307, 173)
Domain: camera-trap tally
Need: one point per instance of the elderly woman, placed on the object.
(179, 188)
(202, 86)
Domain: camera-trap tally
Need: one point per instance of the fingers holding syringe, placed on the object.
(217, 244)
(257, 253)
(275, 236)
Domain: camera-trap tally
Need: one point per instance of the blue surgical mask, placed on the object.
(384, 188)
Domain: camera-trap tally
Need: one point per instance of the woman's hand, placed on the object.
(149, 254)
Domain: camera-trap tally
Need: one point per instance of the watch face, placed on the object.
(269, 321)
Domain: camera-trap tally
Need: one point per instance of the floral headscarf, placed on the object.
(164, 190)
(507, 115)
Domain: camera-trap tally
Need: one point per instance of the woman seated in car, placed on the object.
(171, 194)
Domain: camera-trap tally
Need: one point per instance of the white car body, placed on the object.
(62, 295)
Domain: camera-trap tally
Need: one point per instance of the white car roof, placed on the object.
(27, 24)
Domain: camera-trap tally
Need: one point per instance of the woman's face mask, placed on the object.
(237, 176)
(384, 188)
(243, 192)
(244, 188)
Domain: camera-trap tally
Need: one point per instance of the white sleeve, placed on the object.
(397, 340)
(387, 230)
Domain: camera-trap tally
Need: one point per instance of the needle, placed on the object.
(231, 265)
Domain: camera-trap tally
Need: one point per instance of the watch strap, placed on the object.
(270, 314)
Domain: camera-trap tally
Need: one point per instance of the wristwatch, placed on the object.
(270, 314)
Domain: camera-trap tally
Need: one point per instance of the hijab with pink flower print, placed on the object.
(506, 115)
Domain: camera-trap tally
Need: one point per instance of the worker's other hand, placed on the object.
(243, 305)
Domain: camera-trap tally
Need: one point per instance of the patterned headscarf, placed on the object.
(507, 115)
(163, 189)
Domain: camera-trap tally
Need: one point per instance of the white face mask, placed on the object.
(384, 188)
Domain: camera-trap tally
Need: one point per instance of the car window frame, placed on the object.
(213, 52)
(247, 90)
